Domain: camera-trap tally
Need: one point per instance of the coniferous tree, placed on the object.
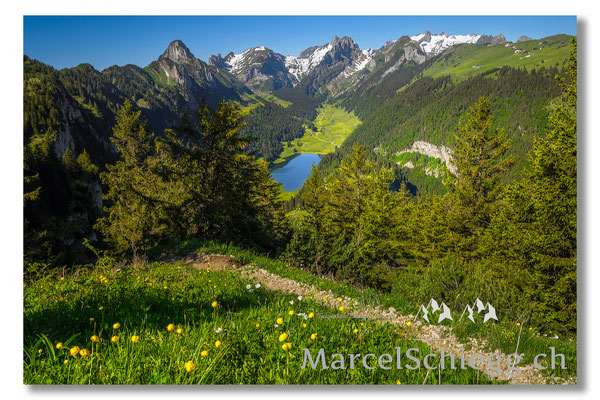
(132, 220)
(480, 158)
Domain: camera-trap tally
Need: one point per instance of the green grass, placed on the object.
(421, 161)
(333, 125)
(506, 335)
(257, 100)
(144, 300)
(468, 60)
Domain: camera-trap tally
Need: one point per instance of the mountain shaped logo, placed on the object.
(435, 307)
(443, 312)
(490, 314)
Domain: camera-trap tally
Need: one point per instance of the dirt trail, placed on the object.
(435, 336)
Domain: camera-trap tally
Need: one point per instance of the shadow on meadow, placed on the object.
(136, 309)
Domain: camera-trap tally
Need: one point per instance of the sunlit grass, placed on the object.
(173, 324)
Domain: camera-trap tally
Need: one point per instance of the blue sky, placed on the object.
(66, 41)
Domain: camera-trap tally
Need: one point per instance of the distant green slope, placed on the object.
(467, 60)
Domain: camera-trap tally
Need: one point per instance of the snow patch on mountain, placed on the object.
(434, 44)
(300, 66)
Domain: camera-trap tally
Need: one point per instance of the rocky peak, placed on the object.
(523, 38)
(426, 37)
(177, 50)
(217, 61)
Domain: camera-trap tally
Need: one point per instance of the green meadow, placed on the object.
(333, 126)
(468, 60)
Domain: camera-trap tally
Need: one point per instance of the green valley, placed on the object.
(331, 128)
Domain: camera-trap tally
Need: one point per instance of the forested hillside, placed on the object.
(129, 159)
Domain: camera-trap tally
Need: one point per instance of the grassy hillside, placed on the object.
(173, 323)
(113, 326)
(467, 60)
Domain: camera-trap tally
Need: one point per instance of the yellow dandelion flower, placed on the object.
(74, 350)
(204, 353)
(189, 366)
(518, 324)
(165, 287)
(291, 312)
(170, 327)
(91, 319)
(66, 361)
(179, 331)
(283, 336)
(116, 325)
(114, 339)
(313, 336)
(100, 308)
(530, 328)
(286, 346)
(361, 324)
(40, 351)
(408, 323)
(62, 278)
(311, 315)
(340, 299)
(59, 345)
(258, 325)
(341, 308)
(279, 321)
(95, 339)
(398, 383)
(218, 344)
(303, 325)
(135, 338)
(214, 304)
(355, 330)
(84, 352)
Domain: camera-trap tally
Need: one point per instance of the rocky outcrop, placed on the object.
(491, 40)
(178, 51)
(431, 150)
(523, 38)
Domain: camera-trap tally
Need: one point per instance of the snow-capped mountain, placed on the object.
(258, 67)
(338, 50)
(433, 44)
(333, 65)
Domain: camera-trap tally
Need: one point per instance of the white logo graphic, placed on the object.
(433, 307)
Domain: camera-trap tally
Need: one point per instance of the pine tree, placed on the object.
(480, 158)
(132, 220)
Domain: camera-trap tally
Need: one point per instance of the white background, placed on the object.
(11, 70)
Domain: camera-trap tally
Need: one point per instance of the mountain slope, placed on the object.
(194, 79)
(259, 68)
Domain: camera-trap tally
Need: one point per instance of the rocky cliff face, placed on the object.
(442, 152)
(491, 40)
(193, 78)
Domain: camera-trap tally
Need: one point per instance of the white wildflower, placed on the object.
(257, 285)
(292, 302)
(219, 330)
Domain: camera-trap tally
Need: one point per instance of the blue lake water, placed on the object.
(293, 174)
